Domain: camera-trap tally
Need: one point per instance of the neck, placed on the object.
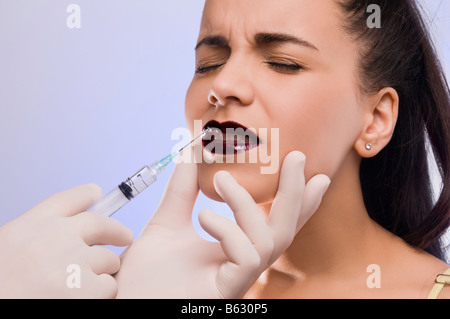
(338, 237)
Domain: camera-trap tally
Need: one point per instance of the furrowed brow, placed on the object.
(270, 38)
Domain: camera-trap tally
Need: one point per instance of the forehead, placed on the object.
(319, 20)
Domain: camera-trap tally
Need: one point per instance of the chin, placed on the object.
(262, 187)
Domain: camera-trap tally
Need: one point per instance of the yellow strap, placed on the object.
(440, 281)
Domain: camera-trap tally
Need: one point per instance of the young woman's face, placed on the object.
(284, 68)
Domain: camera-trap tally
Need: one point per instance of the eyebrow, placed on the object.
(269, 38)
(260, 39)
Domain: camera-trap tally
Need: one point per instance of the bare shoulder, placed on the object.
(411, 272)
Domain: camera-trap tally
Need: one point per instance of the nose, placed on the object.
(233, 84)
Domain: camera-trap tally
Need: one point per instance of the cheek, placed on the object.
(324, 123)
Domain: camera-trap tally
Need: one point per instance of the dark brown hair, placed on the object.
(396, 183)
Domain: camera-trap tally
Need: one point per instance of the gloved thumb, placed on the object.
(180, 194)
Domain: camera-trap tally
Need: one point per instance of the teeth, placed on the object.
(240, 148)
(239, 139)
(229, 140)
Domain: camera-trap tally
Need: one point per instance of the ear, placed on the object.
(380, 120)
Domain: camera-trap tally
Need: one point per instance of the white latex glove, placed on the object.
(170, 260)
(45, 251)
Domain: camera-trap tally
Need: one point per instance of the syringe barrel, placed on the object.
(110, 203)
(126, 191)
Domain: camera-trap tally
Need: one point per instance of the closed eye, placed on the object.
(277, 66)
(207, 68)
(285, 67)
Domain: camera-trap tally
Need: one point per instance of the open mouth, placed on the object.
(228, 138)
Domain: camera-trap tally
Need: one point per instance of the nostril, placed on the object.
(213, 99)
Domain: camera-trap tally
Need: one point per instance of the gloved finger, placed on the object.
(89, 284)
(241, 268)
(180, 194)
(69, 202)
(102, 260)
(247, 214)
(97, 229)
(104, 286)
(286, 207)
(312, 197)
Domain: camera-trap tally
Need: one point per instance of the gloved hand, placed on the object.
(47, 252)
(170, 260)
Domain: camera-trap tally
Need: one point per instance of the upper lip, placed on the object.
(224, 125)
(235, 127)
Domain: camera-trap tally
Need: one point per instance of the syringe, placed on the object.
(135, 184)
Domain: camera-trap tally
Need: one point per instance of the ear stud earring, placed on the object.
(368, 146)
